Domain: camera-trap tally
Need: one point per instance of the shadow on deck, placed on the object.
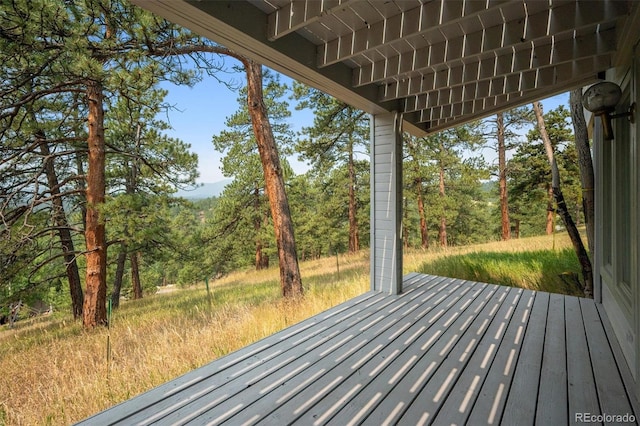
(446, 351)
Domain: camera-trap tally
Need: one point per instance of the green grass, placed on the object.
(544, 270)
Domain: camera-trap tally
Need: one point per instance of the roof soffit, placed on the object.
(441, 62)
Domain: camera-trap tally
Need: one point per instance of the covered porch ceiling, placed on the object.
(439, 62)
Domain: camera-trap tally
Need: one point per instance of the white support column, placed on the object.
(386, 203)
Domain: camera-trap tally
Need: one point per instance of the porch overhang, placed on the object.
(438, 63)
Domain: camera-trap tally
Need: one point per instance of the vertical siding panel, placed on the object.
(386, 205)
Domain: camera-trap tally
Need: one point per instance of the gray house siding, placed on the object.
(617, 216)
(386, 205)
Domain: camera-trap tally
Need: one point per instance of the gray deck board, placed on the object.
(446, 351)
(582, 396)
(492, 397)
(520, 407)
(458, 405)
(381, 383)
(553, 373)
(362, 346)
(611, 390)
(435, 392)
(363, 366)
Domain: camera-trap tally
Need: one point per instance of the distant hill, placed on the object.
(204, 190)
(490, 186)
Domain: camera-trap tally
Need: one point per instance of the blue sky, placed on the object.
(201, 112)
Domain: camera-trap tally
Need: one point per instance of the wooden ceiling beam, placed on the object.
(512, 83)
(537, 28)
(298, 14)
(427, 17)
(546, 53)
(468, 59)
(442, 116)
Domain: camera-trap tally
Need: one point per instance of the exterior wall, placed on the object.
(386, 203)
(635, 207)
(617, 216)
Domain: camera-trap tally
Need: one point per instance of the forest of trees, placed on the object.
(88, 175)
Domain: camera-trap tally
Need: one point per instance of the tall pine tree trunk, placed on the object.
(64, 234)
(550, 210)
(117, 282)
(424, 233)
(581, 252)
(354, 240)
(82, 188)
(134, 258)
(94, 312)
(262, 260)
(290, 279)
(585, 163)
(502, 179)
(405, 223)
(442, 231)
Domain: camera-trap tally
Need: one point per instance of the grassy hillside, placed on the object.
(53, 372)
(537, 263)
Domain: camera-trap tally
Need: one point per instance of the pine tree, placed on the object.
(338, 132)
(561, 204)
(502, 130)
(252, 157)
(69, 57)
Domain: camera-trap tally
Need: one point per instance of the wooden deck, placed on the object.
(446, 351)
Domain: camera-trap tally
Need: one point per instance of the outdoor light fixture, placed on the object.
(601, 99)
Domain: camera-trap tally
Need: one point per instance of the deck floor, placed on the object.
(446, 351)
